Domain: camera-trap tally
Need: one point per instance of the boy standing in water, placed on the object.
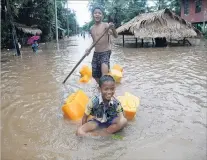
(106, 109)
(35, 46)
(101, 56)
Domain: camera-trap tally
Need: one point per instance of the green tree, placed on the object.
(135, 8)
(120, 10)
(174, 5)
(9, 10)
(37, 12)
(123, 11)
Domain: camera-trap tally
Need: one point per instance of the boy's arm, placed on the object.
(84, 119)
(119, 111)
(113, 30)
(87, 112)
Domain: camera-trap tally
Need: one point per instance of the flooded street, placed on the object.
(170, 124)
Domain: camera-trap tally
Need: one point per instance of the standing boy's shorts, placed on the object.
(98, 59)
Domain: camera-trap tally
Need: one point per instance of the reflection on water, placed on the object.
(170, 124)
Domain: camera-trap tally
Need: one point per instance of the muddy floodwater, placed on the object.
(170, 124)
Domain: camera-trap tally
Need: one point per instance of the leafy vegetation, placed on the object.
(40, 13)
(117, 137)
(122, 11)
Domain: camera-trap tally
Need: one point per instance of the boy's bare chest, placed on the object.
(98, 31)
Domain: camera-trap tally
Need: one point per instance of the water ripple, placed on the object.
(170, 82)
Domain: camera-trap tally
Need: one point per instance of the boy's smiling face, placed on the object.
(97, 15)
(107, 90)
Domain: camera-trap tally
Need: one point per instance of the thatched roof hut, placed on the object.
(163, 23)
(28, 30)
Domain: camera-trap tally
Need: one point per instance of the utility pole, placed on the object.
(14, 35)
(75, 27)
(67, 19)
(204, 16)
(56, 23)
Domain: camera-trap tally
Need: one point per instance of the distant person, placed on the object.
(101, 56)
(105, 108)
(84, 35)
(35, 46)
(19, 45)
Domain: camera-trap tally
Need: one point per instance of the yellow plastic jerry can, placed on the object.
(118, 67)
(86, 74)
(116, 74)
(130, 104)
(85, 70)
(85, 79)
(75, 105)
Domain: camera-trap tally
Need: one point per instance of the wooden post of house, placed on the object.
(142, 42)
(136, 43)
(123, 40)
(183, 41)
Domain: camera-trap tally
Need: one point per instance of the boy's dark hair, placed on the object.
(106, 78)
(97, 8)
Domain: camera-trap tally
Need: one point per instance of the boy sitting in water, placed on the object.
(107, 110)
(101, 56)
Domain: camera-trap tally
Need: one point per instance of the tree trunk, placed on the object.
(14, 35)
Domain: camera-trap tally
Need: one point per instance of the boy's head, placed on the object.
(97, 14)
(107, 87)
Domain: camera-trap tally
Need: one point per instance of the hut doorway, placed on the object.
(160, 42)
